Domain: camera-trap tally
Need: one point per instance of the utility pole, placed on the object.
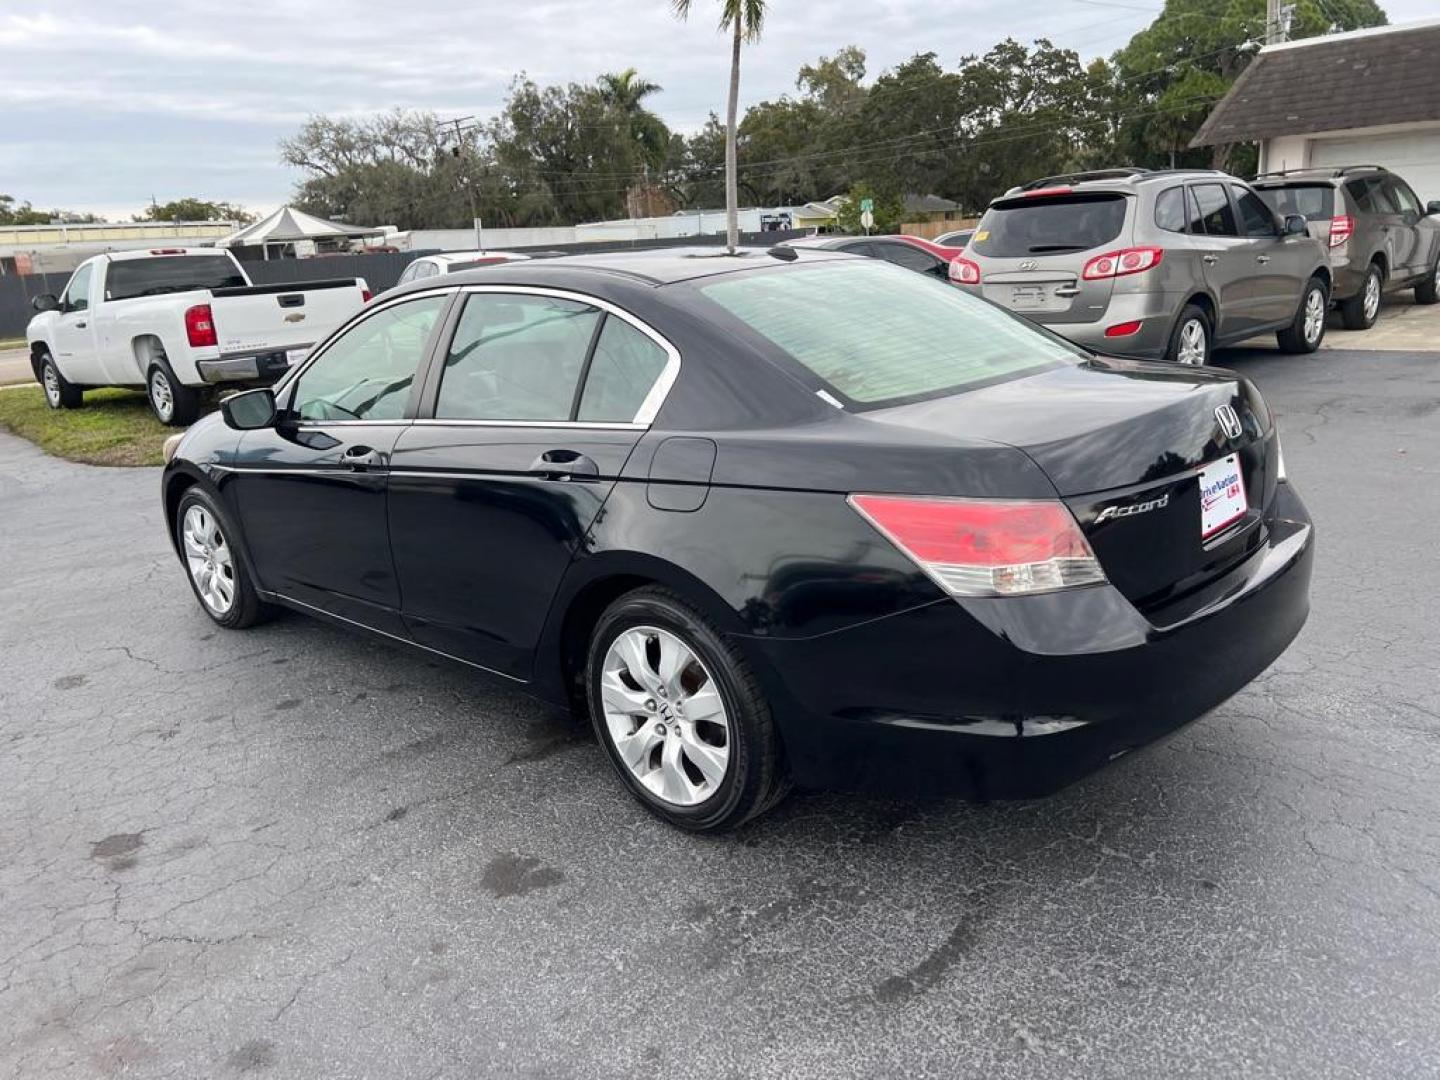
(1277, 21)
(469, 179)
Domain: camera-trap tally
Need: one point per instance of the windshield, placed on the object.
(159, 274)
(1049, 226)
(875, 334)
(1315, 201)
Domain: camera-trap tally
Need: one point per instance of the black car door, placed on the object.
(311, 490)
(531, 410)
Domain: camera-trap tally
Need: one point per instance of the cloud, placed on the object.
(108, 102)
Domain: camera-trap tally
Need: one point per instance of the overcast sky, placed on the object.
(106, 103)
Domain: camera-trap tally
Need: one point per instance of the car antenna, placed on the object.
(788, 254)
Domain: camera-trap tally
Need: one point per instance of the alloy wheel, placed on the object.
(1315, 313)
(209, 560)
(1192, 343)
(51, 382)
(161, 396)
(1372, 299)
(664, 715)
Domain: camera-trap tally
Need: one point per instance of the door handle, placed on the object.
(1262, 258)
(1210, 260)
(81, 325)
(565, 465)
(361, 457)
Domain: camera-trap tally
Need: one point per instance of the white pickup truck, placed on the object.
(174, 320)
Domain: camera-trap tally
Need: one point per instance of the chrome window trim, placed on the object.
(284, 382)
(659, 390)
(596, 425)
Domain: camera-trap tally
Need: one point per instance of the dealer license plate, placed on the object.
(1222, 495)
(1028, 295)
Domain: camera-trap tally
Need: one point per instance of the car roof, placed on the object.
(1125, 180)
(654, 267)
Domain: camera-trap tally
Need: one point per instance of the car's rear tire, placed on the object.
(1307, 330)
(60, 393)
(1428, 291)
(1360, 311)
(681, 715)
(172, 402)
(209, 548)
(1190, 340)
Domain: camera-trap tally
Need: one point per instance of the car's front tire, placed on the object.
(1190, 339)
(209, 547)
(59, 392)
(1428, 291)
(681, 715)
(173, 403)
(1307, 330)
(1360, 311)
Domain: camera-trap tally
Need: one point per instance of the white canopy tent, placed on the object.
(288, 226)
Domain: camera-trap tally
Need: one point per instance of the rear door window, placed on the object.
(1315, 201)
(622, 373)
(1215, 214)
(911, 258)
(1049, 225)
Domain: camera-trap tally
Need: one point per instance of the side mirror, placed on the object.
(45, 302)
(1295, 225)
(249, 410)
(1432, 207)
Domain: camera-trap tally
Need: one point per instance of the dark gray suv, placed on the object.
(1150, 263)
(1379, 237)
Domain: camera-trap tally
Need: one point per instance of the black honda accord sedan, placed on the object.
(768, 518)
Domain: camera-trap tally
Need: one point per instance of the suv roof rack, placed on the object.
(1337, 170)
(1080, 177)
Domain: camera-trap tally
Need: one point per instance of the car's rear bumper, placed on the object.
(1017, 697)
(1154, 311)
(248, 367)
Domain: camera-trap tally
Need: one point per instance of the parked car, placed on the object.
(174, 321)
(1153, 264)
(1379, 237)
(909, 252)
(765, 518)
(956, 239)
(451, 261)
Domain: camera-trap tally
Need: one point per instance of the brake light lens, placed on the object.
(365, 295)
(200, 326)
(964, 272)
(1124, 329)
(167, 251)
(1115, 264)
(1047, 191)
(986, 547)
(1342, 227)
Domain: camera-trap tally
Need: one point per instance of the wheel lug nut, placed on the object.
(659, 729)
(650, 704)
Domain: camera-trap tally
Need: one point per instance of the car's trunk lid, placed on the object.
(1128, 447)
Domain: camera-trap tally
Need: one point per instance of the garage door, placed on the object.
(1414, 155)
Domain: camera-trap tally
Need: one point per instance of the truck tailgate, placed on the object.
(260, 319)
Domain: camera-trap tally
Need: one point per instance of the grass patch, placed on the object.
(113, 427)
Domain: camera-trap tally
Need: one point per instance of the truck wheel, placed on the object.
(1361, 310)
(172, 402)
(59, 393)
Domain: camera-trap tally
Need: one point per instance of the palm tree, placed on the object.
(744, 19)
(626, 92)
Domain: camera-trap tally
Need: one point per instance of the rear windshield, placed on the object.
(1049, 226)
(875, 334)
(169, 274)
(1315, 201)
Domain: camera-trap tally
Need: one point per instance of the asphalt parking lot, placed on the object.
(290, 852)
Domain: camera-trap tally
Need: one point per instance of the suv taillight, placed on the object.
(1114, 264)
(200, 326)
(964, 272)
(986, 547)
(1342, 227)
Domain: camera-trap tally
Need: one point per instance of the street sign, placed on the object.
(867, 205)
(867, 219)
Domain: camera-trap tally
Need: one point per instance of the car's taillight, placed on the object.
(365, 295)
(986, 547)
(964, 271)
(200, 326)
(1125, 261)
(1342, 227)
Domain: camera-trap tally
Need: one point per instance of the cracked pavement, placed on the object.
(292, 852)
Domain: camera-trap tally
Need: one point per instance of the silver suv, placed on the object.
(1379, 238)
(1150, 263)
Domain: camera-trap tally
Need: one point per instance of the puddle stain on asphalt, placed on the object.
(512, 874)
(69, 682)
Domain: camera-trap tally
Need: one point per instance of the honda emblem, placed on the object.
(1229, 421)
